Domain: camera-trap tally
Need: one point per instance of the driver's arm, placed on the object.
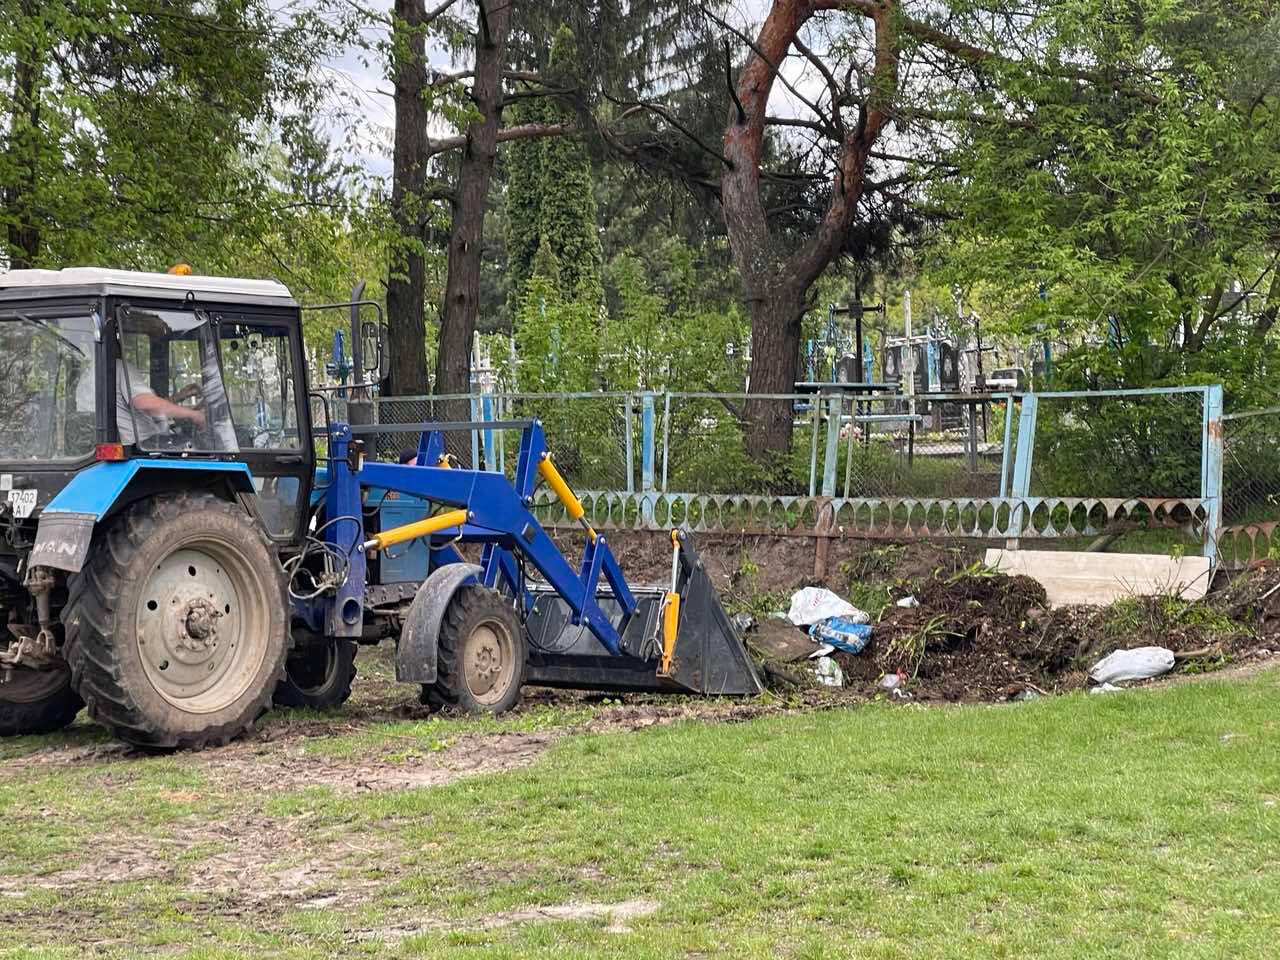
(186, 393)
(155, 406)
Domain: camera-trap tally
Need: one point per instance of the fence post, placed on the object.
(1022, 467)
(1211, 471)
(628, 438)
(1004, 453)
(666, 435)
(973, 438)
(502, 446)
(813, 443)
(486, 414)
(474, 403)
(835, 409)
(646, 456)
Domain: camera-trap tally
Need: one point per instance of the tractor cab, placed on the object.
(107, 365)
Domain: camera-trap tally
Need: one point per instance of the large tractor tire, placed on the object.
(177, 627)
(37, 701)
(481, 654)
(318, 673)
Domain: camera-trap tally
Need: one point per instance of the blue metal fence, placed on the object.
(1017, 467)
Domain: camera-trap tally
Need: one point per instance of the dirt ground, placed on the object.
(975, 636)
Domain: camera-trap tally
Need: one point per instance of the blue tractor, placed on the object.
(180, 546)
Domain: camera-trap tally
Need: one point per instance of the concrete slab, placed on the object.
(1100, 578)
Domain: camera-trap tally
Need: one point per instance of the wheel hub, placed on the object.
(199, 625)
(191, 626)
(488, 661)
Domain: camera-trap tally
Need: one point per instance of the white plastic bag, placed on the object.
(1139, 663)
(811, 605)
(828, 672)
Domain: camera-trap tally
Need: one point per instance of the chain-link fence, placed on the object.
(1130, 466)
(1251, 486)
(1118, 445)
(959, 465)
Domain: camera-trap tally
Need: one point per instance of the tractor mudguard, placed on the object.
(416, 653)
(65, 528)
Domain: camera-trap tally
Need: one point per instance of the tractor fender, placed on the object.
(65, 528)
(417, 650)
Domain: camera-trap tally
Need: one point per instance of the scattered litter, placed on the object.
(822, 650)
(828, 672)
(1106, 688)
(842, 633)
(742, 622)
(1140, 663)
(811, 605)
(908, 602)
(1024, 695)
(891, 681)
(899, 694)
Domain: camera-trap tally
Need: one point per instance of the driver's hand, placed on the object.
(198, 418)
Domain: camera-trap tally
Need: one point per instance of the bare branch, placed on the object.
(523, 131)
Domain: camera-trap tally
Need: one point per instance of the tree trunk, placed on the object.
(775, 351)
(23, 152)
(775, 281)
(406, 286)
(462, 288)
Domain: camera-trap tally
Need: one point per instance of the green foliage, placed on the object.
(557, 340)
(1130, 216)
(135, 135)
(550, 194)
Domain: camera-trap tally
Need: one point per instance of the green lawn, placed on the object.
(1142, 824)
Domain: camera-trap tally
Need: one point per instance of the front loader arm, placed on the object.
(496, 505)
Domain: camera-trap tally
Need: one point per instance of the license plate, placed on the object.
(22, 503)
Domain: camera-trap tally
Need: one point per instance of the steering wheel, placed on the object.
(186, 433)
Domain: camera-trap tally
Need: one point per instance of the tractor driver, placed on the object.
(137, 403)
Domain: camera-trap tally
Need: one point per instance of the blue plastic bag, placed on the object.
(842, 633)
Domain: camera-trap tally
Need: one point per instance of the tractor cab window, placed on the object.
(47, 401)
(169, 390)
(257, 369)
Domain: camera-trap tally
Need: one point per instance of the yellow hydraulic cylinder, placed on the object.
(419, 528)
(557, 483)
(670, 627)
(671, 610)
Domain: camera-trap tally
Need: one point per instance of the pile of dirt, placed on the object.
(983, 636)
(971, 636)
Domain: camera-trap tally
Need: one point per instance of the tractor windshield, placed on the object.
(170, 394)
(47, 384)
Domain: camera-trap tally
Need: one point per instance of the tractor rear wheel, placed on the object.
(318, 673)
(36, 701)
(177, 627)
(481, 654)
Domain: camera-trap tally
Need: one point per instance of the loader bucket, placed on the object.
(709, 656)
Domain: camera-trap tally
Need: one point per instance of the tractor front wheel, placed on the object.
(36, 701)
(318, 673)
(176, 628)
(481, 654)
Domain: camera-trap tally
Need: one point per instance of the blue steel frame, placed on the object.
(1017, 491)
(498, 517)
